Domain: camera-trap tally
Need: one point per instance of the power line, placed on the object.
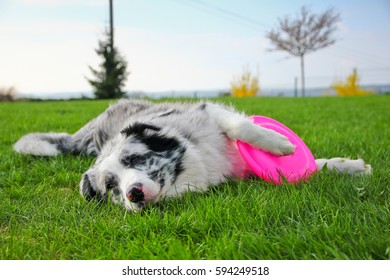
(385, 69)
(224, 12)
(367, 61)
(356, 54)
(244, 19)
(363, 53)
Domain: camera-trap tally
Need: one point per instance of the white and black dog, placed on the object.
(147, 152)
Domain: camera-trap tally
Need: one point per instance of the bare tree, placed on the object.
(306, 33)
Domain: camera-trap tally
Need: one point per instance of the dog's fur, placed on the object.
(146, 152)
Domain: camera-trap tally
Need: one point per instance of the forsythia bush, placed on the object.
(350, 87)
(245, 85)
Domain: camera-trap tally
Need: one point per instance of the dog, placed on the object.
(150, 151)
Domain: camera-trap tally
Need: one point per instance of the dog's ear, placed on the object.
(88, 186)
(151, 136)
(139, 128)
(161, 143)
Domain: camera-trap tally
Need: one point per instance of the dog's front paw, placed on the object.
(265, 139)
(280, 146)
(271, 141)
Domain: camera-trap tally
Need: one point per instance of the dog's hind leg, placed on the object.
(239, 127)
(344, 165)
(44, 144)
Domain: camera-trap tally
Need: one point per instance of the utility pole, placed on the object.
(111, 27)
(302, 76)
(296, 87)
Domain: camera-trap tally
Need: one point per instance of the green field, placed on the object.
(332, 216)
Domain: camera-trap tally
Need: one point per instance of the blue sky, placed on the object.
(47, 45)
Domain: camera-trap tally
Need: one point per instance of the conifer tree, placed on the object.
(111, 76)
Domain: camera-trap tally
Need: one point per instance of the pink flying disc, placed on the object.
(293, 168)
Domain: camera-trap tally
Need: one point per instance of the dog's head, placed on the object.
(137, 167)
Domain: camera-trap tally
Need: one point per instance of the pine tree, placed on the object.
(112, 75)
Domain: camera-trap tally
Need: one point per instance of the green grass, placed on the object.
(42, 215)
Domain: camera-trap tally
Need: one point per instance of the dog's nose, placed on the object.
(135, 193)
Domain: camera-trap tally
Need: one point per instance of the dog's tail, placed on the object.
(44, 144)
(344, 165)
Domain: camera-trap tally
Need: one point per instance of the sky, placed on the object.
(46, 46)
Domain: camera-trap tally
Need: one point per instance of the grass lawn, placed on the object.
(42, 215)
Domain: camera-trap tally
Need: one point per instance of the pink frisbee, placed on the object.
(293, 168)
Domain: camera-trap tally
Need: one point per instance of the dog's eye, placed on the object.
(110, 185)
(133, 160)
(111, 181)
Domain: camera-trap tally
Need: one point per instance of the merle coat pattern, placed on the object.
(146, 152)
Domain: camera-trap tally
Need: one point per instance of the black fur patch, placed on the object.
(138, 128)
(155, 142)
(100, 138)
(111, 181)
(202, 107)
(172, 112)
(62, 143)
(157, 176)
(134, 160)
(161, 182)
(178, 166)
(87, 189)
(160, 143)
(116, 191)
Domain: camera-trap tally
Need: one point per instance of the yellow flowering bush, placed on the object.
(245, 85)
(350, 87)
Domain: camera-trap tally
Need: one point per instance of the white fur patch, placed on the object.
(345, 165)
(239, 127)
(32, 145)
